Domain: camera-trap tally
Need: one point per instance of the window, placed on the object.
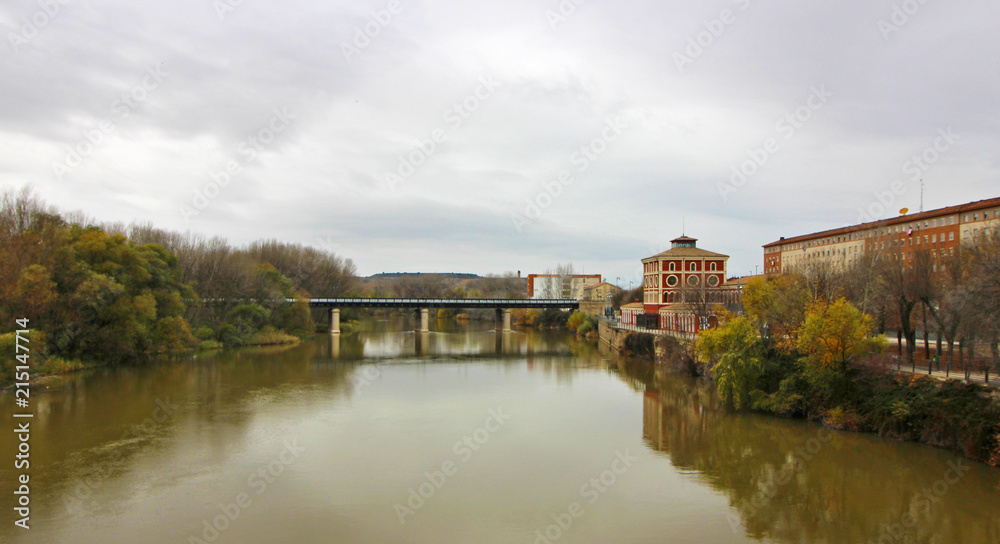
(673, 266)
(693, 266)
(951, 236)
(693, 281)
(713, 267)
(934, 239)
(933, 222)
(671, 281)
(713, 281)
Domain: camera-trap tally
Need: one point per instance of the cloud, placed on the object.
(358, 117)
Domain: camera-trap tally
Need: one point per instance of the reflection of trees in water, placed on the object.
(794, 481)
(94, 428)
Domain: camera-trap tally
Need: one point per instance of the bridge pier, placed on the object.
(503, 319)
(334, 320)
(422, 343)
(335, 346)
(422, 320)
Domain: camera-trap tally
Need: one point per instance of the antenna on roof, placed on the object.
(921, 195)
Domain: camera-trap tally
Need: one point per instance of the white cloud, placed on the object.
(324, 178)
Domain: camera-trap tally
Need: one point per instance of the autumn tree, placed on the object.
(834, 334)
(777, 305)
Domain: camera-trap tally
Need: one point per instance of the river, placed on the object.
(459, 436)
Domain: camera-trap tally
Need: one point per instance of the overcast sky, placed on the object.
(412, 135)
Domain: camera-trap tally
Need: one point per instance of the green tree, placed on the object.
(297, 318)
(735, 353)
(243, 321)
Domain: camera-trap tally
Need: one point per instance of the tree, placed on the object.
(777, 305)
(835, 334)
(983, 287)
(560, 285)
(906, 278)
(736, 355)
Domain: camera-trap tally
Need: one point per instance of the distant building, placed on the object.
(599, 292)
(682, 286)
(940, 232)
(553, 286)
(597, 298)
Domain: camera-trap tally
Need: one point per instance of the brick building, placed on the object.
(680, 288)
(938, 231)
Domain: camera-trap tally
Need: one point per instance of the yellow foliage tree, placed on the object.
(835, 334)
(779, 305)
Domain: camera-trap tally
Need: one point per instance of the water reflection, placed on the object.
(143, 453)
(791, 481)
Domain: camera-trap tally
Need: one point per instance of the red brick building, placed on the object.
(681, 285)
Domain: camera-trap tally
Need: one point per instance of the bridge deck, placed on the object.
(442, 303)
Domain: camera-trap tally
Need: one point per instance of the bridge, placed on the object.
(423, 306)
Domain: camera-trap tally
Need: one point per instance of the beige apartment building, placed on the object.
(938, 231)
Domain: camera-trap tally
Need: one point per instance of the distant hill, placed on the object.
(441, 275)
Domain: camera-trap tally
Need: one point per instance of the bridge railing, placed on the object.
(433, 302)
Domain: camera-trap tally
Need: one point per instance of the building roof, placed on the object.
(596, 285)
(685, 246)
(742, 280)
(634, 306)
(685, 252)
(585, 276)
(901, 219)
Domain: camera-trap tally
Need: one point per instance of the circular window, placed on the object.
(693, 281)
(713, 280)
(671, 280)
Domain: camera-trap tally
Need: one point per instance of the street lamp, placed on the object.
(618, 282)
(629, 285)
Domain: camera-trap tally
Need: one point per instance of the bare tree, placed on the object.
(559, 282)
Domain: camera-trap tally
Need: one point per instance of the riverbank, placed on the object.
(947, 413)
(42, 366)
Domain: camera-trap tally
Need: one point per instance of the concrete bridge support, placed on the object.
(423, 320)
(503, 319)
(335, 321)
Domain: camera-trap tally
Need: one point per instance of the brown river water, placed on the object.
(464, 435)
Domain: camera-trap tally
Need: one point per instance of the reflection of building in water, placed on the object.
(652, 422)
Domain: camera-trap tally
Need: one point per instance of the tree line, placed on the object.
(98, 294)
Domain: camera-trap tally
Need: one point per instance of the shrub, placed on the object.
(639, 344)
